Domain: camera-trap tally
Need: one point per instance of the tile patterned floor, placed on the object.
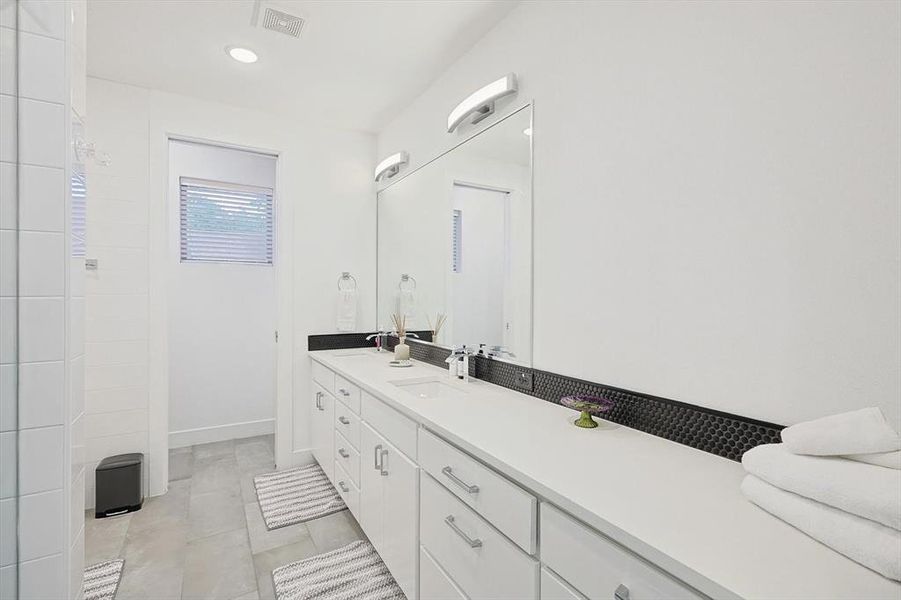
(205, 539)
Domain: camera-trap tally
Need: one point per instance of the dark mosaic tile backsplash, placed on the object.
(712, 431)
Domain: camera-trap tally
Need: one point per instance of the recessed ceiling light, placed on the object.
(527, 131)
(243, 55)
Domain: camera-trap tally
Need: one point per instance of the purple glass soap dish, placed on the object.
(588, 406)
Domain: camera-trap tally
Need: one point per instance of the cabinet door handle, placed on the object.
(343, 453)
(343, 420)
(378, 452)
(343, 392)
(319, 400)
(473, 543)
(472, 489)
(382, 469)
(621, 593)
(343, 487)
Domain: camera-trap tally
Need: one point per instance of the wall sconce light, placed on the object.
(481, 103)
(389, 167)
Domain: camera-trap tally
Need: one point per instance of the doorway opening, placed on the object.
(222, 293)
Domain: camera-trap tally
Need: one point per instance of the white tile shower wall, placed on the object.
(35, 367)
(116, 359)
(718, 227)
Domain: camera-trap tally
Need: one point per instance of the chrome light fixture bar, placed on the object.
(391, 166)
(481, 103)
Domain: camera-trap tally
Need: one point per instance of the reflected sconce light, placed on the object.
(481, 103)
(390, 167)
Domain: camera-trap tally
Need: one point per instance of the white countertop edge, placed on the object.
(649, 552)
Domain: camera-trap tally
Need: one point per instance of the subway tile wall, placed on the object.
(41, 303)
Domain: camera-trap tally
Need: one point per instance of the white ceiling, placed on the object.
(356, 65)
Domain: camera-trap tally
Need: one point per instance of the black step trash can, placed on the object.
(119, 485)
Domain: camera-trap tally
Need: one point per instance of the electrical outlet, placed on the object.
(523, 381)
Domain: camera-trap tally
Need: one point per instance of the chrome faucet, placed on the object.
(459, 355)
(378, 339)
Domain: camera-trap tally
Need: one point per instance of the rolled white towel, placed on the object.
(864, 541)
(863, 431)
(892, 460)
(865, 490)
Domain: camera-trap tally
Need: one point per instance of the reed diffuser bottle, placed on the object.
(401, 350)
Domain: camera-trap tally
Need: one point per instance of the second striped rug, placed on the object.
(296, 495)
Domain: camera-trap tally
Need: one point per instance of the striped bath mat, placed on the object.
(102, 580)
(296, 495)
(353, 572)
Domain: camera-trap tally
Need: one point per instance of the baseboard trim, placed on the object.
(219, 433)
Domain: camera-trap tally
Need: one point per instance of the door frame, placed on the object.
(211, 133)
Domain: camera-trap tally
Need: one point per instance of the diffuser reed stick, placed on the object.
(436, 328)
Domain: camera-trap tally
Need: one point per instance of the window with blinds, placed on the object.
(457, 242)
(225, 222)
(78, 212)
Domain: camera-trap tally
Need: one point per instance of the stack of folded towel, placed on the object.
(837, 479)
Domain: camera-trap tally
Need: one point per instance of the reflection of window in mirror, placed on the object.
(457, 241)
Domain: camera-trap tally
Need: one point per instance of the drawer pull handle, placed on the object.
(343, 453)
(621, 593)
(382, 468)
(344, 420)
(472, 489)
(473, 543)
(378, 453)
(343, 487)
(343, 392)
(319, 400)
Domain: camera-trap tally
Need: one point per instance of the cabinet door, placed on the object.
(371, 501)
(400, 494)
(322, 430)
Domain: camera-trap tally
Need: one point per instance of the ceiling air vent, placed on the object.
(282, 22)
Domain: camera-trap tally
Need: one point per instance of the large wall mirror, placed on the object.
(455, 239)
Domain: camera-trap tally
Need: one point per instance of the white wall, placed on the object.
(327, 197)
(716, 195)
(41, 306)
(222, 316)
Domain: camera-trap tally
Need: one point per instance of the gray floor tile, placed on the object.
(248, 490)
(107, 535)
(150, 581)
(219, 566)
(217, 473)
(265, 562)
(168, 510)
(215, 512)
(334, 531)
(257, 454)
(262, 539)
(181, 465)
(214, 449)
(254, 595)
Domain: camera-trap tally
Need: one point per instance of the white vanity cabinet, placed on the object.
(389, 504)
(598, 567)
(322, 429)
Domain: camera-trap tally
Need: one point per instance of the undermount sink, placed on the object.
(355, 353)
(430, 388)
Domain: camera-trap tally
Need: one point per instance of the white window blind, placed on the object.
(457, 242)
(79, 209)
(225, 222)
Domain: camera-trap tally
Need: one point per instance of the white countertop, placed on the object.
(679, 507)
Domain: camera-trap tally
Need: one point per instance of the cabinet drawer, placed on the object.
(507, 506)
(349, 492)
(597, 566)
(323, 376)
(347, 393)
(348, 457)
(554, 588)
(482, 562)
(347, 424)
(434, 583)
(396, 428)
